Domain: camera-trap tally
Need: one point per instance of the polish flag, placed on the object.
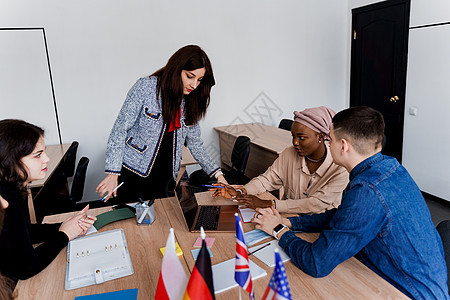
(172, 278)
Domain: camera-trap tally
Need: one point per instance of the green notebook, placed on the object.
(113, 216)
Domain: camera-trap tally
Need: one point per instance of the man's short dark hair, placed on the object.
(362, 126)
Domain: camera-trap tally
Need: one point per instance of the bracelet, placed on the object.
(274, 203)
(113, 173)
(218, 173)
(240, 191)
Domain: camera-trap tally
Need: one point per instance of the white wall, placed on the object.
(291, 54)
(427, 135)
(426, 12)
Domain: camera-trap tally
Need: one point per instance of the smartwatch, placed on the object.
(278, 229)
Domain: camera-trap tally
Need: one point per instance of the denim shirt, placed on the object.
(137, 133)
(383, 219)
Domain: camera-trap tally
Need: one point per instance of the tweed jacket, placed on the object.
(137, 133)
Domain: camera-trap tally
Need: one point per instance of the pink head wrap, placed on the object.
(316, 118)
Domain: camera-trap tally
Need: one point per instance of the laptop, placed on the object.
(216, 218)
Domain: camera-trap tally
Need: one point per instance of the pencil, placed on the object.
(250, 253)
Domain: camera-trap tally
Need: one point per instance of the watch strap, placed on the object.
(278, 229)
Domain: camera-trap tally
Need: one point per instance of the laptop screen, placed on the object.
(185, 195)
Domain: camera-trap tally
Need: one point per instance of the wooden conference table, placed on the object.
(350, 280)
(267, 142)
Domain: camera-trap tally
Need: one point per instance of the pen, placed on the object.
(115, 189)
(260, 248)
(144, 213)
(213, 186)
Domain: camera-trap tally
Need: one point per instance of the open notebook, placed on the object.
(97, 258)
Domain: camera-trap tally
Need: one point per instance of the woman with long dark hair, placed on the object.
(160, 115)
(22, 160)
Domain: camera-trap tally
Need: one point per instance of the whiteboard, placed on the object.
(25, 86)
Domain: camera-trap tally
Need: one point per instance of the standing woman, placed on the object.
(23, 159)
(160, 114)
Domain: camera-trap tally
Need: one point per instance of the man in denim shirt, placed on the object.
(383, 218)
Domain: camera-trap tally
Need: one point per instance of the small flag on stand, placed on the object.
(278, 287)
(200, 285)
(172, 278)
(242, 273)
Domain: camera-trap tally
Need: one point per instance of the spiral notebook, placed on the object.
(97, 258)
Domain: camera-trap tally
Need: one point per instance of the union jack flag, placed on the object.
(278, 287)
(242, 273)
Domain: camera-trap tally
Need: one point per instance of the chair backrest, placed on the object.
(444, 231)
(65, 169)
(69, 160)
(285, 124)
(76, 193)
(383, 143)
(240, 153)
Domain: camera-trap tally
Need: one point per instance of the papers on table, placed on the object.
(223, 274)
(247, 214)
(195, 253)
(266, 254)
(91, 230)
(209, 242)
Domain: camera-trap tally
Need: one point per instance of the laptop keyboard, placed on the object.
(208, 217)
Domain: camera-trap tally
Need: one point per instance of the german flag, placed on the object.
(200, 285)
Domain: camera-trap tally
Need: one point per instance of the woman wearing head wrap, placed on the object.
(312, 182)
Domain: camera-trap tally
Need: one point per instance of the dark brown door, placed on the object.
(378, 65)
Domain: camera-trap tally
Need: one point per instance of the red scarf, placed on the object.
(175, 123)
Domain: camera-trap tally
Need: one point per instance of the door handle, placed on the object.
(394, 99)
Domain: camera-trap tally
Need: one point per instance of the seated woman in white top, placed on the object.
(312, 182)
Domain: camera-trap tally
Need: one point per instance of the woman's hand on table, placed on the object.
(78, 224)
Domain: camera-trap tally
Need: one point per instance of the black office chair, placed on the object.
(383, 143)
(286, 124)
(444, 231)
(235, 175)
(239, 158)
(66, 169)
(69, 160)
(76, 192)
(50, 201)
